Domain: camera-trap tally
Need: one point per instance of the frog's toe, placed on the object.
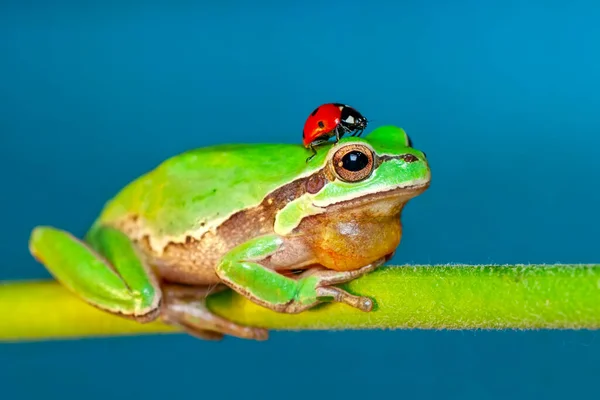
(338, 295)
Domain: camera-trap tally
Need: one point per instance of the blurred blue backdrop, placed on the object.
(502, 95)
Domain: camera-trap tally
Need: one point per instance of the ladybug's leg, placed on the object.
(312, 147)
(338, 134)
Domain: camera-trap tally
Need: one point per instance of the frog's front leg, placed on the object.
(105, 272)
(241, 269)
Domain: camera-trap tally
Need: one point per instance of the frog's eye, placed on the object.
(353, 163)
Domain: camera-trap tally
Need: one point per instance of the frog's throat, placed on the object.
(307, 205)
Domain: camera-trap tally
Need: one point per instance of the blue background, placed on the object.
(503, 96)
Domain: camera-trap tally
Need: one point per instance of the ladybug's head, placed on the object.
(361, 122)
(352, 119)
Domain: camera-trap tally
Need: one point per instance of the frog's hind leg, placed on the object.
(185, 307)
(106, 272)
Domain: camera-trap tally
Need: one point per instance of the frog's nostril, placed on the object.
(409, 158)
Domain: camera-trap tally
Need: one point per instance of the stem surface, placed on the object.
(406, 297)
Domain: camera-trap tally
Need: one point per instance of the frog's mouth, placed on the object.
(398, 195)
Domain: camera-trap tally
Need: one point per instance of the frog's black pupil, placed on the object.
(355, 161)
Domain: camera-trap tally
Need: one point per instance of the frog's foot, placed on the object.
(242, 271)
(321, 280)
(106, 273)
(185, 307)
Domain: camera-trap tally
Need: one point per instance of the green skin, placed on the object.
(240, 216)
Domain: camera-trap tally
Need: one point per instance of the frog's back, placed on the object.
(197, 190)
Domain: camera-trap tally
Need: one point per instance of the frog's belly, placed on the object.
(194, 261)
(192, 268)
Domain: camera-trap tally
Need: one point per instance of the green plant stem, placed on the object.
(422, 297)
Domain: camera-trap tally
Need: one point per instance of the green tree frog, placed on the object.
(256, 218)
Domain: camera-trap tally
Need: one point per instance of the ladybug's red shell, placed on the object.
(321, 122)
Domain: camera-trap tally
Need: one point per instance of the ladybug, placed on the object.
(331, 119)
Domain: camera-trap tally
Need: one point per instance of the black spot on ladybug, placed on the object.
(321, 124)
(315, 112)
